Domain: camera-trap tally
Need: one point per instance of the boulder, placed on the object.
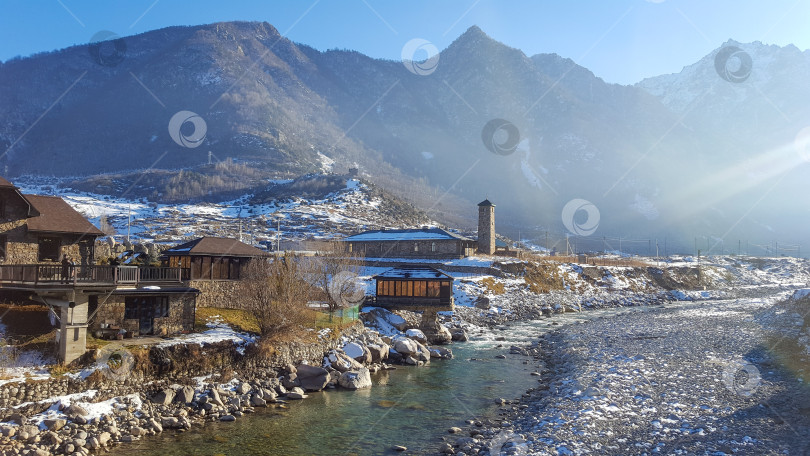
(167, 422)
(164, 397)
(184, 395)
(355, 351)
(257, 401)
(354, 380)
(74, 410)
(243, 388)
(341, 362)
(291, 381)
(458, 335)
(379, 353)
(227, 418)
(482, 302)
(441, 353)
(405, 346)
(17, 418)
(423, 353)
(312, 378)
(417, 335)
(54, 424)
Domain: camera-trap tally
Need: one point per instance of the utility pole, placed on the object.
(739, 246)
(699, 277)
(129, 220)
(604, 244)
(547, 249)
(696, 249)
(656, 252)
(278, 234)
(620, 245)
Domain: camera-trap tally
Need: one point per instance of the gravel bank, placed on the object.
(698, 378)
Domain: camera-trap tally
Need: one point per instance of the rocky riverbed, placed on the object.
(715, 377)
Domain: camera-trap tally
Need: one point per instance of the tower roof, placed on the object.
(486, 202)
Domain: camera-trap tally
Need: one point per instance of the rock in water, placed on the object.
(405, 346)
(354, 380)
(312, 378)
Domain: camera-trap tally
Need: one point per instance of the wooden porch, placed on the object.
(39, 275)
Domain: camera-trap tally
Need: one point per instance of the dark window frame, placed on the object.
(54, 253)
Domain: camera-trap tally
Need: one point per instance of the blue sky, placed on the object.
(621, 41)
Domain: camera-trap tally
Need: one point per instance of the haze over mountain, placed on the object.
(684, 155)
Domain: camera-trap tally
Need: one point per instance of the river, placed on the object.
(409, 406)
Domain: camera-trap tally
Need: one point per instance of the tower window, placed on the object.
(415, 247)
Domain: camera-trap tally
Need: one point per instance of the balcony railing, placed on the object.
(38, 274)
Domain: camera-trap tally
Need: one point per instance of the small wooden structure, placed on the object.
(413, 287)
(212, 258)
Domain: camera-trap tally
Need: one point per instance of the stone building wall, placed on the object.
(442, 248)
(486, 229)
(181, 315)
(217, 293)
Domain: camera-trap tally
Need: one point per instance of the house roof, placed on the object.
(421, 234)
(215, 246)
(56, 216)
(5, 184)
(486, 202)
(413, 272)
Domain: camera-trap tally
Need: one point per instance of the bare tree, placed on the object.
(336, 273)
(275, 293)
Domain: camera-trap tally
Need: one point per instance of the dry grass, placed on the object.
(543, 276)
(237, 319)
(493, 286)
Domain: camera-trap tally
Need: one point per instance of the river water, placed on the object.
(410, 406)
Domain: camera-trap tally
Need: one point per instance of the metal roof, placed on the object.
(415, 234)
(413, 272)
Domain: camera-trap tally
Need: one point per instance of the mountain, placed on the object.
(287, 109)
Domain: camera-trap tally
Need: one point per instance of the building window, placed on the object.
(2, 208)
(432, 246)
(3, 246)
(415, 247)
(350, 247)
(49, 248)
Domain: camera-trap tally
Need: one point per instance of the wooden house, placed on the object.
(42, 229)
(212, 258)
(413, 287)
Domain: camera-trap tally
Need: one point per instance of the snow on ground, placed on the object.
(20, 366)
(218, 331)
(343, 211)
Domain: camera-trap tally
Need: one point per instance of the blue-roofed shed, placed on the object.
(413, 287)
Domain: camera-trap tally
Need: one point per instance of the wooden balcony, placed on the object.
(39, 275)
(410, 302)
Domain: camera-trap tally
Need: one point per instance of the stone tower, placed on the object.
(486, 227)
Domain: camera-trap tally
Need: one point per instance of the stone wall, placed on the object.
(409, 249)
(181, 316)
(217, 293)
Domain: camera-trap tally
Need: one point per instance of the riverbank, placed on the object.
(714, 377)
